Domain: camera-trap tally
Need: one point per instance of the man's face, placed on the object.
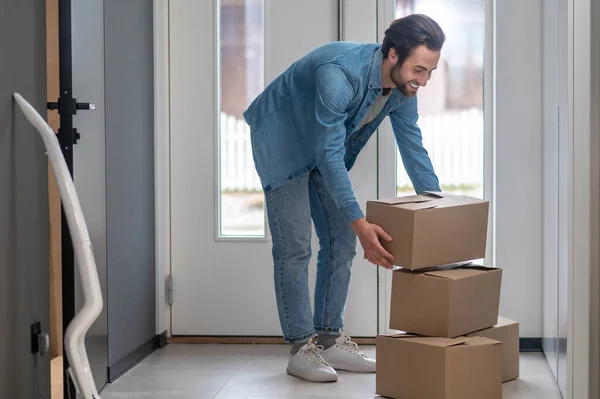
(415, 71)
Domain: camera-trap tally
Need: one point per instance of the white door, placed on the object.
(221, 54)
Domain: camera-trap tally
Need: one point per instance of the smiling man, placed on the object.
(307, 128)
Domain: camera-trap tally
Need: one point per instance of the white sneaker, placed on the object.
(345, 355)
(308, 364)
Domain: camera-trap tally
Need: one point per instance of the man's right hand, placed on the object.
(368, 234)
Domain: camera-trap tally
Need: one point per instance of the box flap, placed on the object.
(460, 272)
(438, 194)
(503, 321)
(478, 341)
(429, 200)
(433, 341)
(417, 206)
(404, 200)
(441, 342)
(400, 335)
(448, 266)
(457, 200)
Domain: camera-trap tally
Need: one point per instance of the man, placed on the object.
(307, 128)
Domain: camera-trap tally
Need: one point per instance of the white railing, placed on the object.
(237, 165)
(453, 139)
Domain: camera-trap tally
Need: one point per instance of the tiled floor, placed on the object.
(258, 371)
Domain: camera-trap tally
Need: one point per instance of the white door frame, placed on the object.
(162, 163)
(489, 126)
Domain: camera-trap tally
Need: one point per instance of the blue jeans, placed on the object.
(290, 209)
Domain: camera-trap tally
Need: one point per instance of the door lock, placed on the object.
(75, 106)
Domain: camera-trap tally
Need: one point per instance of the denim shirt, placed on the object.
(307, 118)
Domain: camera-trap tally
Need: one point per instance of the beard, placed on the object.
(401, 84)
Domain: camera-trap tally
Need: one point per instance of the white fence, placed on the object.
(237, 165)
(453, 139)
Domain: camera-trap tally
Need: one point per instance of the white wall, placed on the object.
(518, 159)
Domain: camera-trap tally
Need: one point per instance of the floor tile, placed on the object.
(149, 382)
(200, 356)
(201, 371)
(298, 396)
(536, 380)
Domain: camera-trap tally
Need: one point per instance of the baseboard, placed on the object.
(530, 344)
(160, 340)
(525, 344)
(185, 339)
(122, 366)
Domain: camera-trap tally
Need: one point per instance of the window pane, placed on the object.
(241, 80)
(451, 105)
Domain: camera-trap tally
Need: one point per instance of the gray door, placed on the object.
(23, 202)
(114, 174)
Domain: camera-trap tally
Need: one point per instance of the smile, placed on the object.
(413, 85)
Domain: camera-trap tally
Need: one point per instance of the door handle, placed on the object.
(340, 20)
(75, 105)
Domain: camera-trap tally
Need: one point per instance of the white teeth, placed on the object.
(416, 86)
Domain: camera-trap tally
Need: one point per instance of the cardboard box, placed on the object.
(411, 367)
(432, 229)
(447, 302)
(507, 332)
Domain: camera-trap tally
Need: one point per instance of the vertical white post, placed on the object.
(162, 161)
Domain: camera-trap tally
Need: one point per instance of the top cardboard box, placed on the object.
(432, 229)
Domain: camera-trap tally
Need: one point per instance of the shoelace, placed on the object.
(313, 353)
(347, 344)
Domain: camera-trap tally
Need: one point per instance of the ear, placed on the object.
(393, 56)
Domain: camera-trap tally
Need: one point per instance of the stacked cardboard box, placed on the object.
(454, 345)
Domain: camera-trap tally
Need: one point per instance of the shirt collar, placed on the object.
(375, 79)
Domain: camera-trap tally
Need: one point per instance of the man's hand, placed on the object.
(368, 234)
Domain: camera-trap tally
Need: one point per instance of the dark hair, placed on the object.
(407, 33)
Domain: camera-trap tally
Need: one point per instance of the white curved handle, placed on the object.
(92, 295)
